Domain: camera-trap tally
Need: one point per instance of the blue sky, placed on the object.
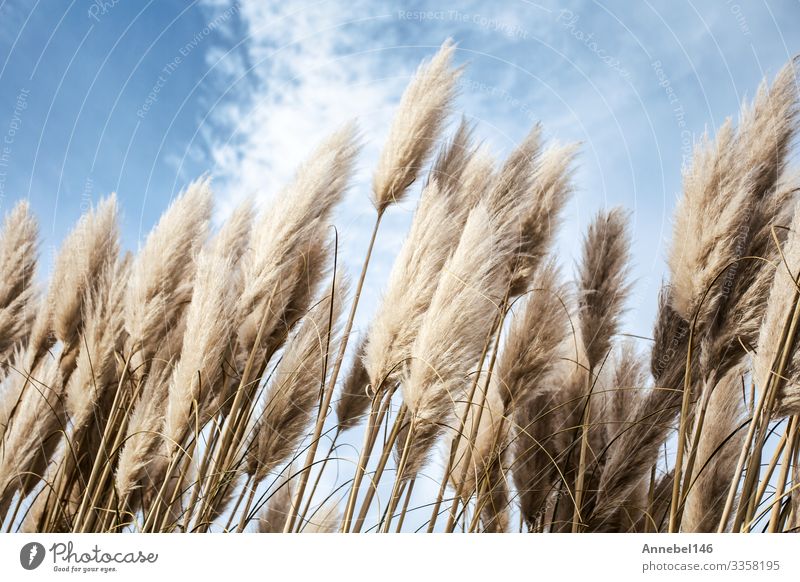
(141, 97)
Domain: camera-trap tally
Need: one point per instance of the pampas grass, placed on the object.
(434, 233)
(717, 449)
(415, 129)
(18, 257)
(195, 385)
(160, 285)
(449, 342)
(296, 384)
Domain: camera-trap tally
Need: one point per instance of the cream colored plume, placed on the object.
(416, 127)
(87, 250)
(455, 328)
(774, 339)
(718, 447)
(287, 255)
(538, 329)
(295, 387)
(18, 256)
(412, 284)
(160, 284)
(102, 337)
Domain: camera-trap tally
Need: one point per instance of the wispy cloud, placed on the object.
(296, 78)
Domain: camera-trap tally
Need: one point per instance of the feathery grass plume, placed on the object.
(233, 238)
(573, 388)
(19, 250)
(649, 424)
(416, 126)
(603, 286)
(513, 182)
(12, 389)
(91, 246)
(234, 235)
(210, 319)
(159, 291)
(730, 202)
(707, 220)
(354, 399)
(33, 436)
(494, 497)
(309, 275)
(295, 387)
(160, 285)
(285, 261)
(736, 329)
(545, 422)
(655, 518)
(551, 188)
(477, 177)
(76, 273)
(101, 339)
(272, 517)
(434, 233)
(718, 449)
(82, 255)
(629, 379)
(766, 129)
(143, 435)
(88, 397)
(452, 161)
(783, 297)
(540, 436)
(476, 455)
(531, 348)
(453, 332)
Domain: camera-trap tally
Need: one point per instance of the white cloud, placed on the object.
(296, 82)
